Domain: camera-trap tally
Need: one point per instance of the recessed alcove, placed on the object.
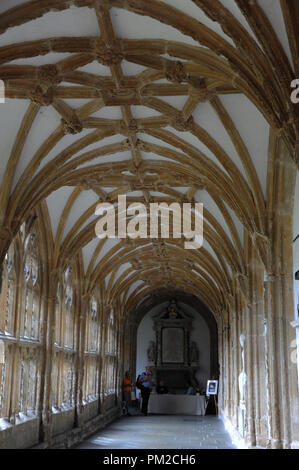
(180, 347)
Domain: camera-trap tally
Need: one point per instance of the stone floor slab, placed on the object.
(161, 432)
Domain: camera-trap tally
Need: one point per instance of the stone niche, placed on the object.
(173, 357)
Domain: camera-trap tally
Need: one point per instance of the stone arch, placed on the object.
(157, 298)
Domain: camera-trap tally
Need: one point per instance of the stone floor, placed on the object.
(162, 432)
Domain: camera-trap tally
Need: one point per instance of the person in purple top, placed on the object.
(146, 380)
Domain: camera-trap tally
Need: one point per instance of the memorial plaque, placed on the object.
(173, 345)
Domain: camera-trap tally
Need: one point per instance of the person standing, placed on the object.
(127, 384)
(145, 379)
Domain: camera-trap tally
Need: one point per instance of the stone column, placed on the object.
(260, 378)
(83, 305)
(230, 377)
(6, 237)
(279, 400)
(295, 346)
(256, 403)
(234, 366)
(221, 369)
(249, 370)
(225, 370)
(246, 390)
(279, 303)
(133, 343)
(255, 355)
(294, 354)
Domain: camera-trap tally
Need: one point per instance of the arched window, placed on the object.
(29, 349)
(109, 378)
(68, 379)
(30, 326)
(20, 330)
(110, 343)
(55, 382)
(58, 315)
(92, 327)
(29, 380)
(7, 327)
(8, 293)
(68, 309)
(91, 355)
(63, 364)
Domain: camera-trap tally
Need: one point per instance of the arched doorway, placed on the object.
(203, 338)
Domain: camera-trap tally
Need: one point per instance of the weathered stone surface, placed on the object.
(71, 319)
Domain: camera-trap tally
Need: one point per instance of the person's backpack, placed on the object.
(138, 384)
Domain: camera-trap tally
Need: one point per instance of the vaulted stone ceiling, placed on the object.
(177, 100)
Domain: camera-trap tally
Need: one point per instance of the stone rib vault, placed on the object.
(173, 101)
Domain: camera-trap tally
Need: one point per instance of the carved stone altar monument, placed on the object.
(173, 357)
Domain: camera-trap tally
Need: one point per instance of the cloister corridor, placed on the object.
(149, 224)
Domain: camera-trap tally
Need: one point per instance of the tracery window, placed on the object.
(111, 334)
(109, 378)
(68, 310)
(68, 379)
(55, 381)
(91, 354)
(8, 295)
(63, 364)
(58, 315)
(92, 332)
(27, 368)
(30, 323)
(7, 328)
(5, 379)
(91, 378)
(20, 328)
(29, 380)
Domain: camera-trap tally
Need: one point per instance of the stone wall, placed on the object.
(64, 432)
(20, 436)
